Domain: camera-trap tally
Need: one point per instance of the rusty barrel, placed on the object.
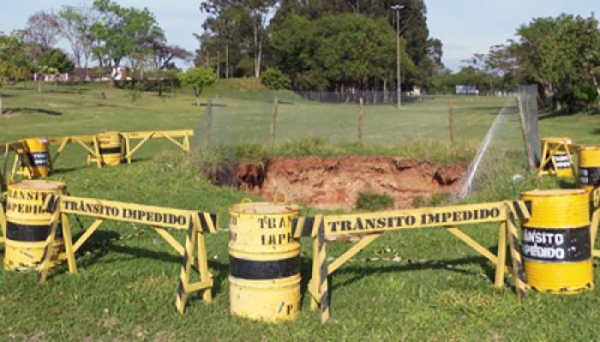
(110, 146)
(28, 224)
(556, 248)
(264, 262)
(37, 156)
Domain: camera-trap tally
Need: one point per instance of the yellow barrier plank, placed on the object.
(86, 235)
(357, 247)
(414, 218)
(134, 213)
(143, 135)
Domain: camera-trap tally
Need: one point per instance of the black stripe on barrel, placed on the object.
(263, 270)
(29, 233)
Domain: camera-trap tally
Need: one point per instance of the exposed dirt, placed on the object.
(332, 183)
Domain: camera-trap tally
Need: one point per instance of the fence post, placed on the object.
(274, 120)
(451, 121)
(1, 111)
(361, 119)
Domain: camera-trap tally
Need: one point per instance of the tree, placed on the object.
(58, 60)
(42, 31)
(123, 33)
(14, 61)
(255, 11)
(274, 79)
(198, 78)
(75, 24)
(561, 55)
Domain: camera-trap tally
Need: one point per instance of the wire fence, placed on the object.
(275, 118)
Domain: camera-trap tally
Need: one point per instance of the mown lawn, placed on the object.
(125, 289)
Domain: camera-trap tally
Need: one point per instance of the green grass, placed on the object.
(125, 289)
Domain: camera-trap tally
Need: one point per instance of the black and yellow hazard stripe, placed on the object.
(304, 226)
(208, 222)
(185, 268)
(515, 250)
(53, 208)
(323, 273)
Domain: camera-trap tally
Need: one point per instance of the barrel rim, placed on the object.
(261, 208)
(38, 184)
(553, 192)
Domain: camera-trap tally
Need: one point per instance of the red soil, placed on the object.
(331, 183)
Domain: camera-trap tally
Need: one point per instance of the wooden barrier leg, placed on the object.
(186, 267)
(518, 271)
(313, 285)
(49, 249)
(323, 278)
(203, 263)
(594, 232)
(68, 238)
(2, 221)
(501, 263)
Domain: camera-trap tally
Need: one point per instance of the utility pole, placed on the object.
(398, 8)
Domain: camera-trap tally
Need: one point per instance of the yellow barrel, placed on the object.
(36, 152)
(589, 168)
(557, 248)
(28, 224)
(109, 144)
(264, 261)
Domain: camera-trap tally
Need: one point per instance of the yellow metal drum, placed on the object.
(110, 148)
(264, 262)
(589, 167)
(557, 248)
(28, 224)
(36, 152)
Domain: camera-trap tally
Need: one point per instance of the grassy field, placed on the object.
(125, 289)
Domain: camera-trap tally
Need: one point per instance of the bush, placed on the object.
(274, 79)
(371, 201)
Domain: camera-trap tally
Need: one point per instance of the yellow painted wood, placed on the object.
(594, 227)
(199, 286)
(86, 235)
(501, 258)
(45, 265)
(2, 220)
(357, 247)
(473, 244)
(139, 145)
(68, 239)
(202, 260)
(170, 240)
(127, 212)
(417, 218)
(184, 276)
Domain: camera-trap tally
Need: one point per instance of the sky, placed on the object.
(465, 27)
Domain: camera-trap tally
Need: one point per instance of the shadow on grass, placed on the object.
(360, 272)
(555, 114)
(30, 110)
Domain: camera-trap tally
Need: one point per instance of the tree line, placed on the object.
(319, 45)
(561, 55)
(106, 33)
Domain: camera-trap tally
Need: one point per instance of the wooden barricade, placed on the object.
(373, 225)
(552, 150)
(91, 145)
(145, 136)
(2, 224)
(17, 151)
(196, 224)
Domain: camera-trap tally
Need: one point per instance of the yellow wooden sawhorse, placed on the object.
(373, 225)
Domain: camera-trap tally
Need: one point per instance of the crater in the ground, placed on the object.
(336, 182)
